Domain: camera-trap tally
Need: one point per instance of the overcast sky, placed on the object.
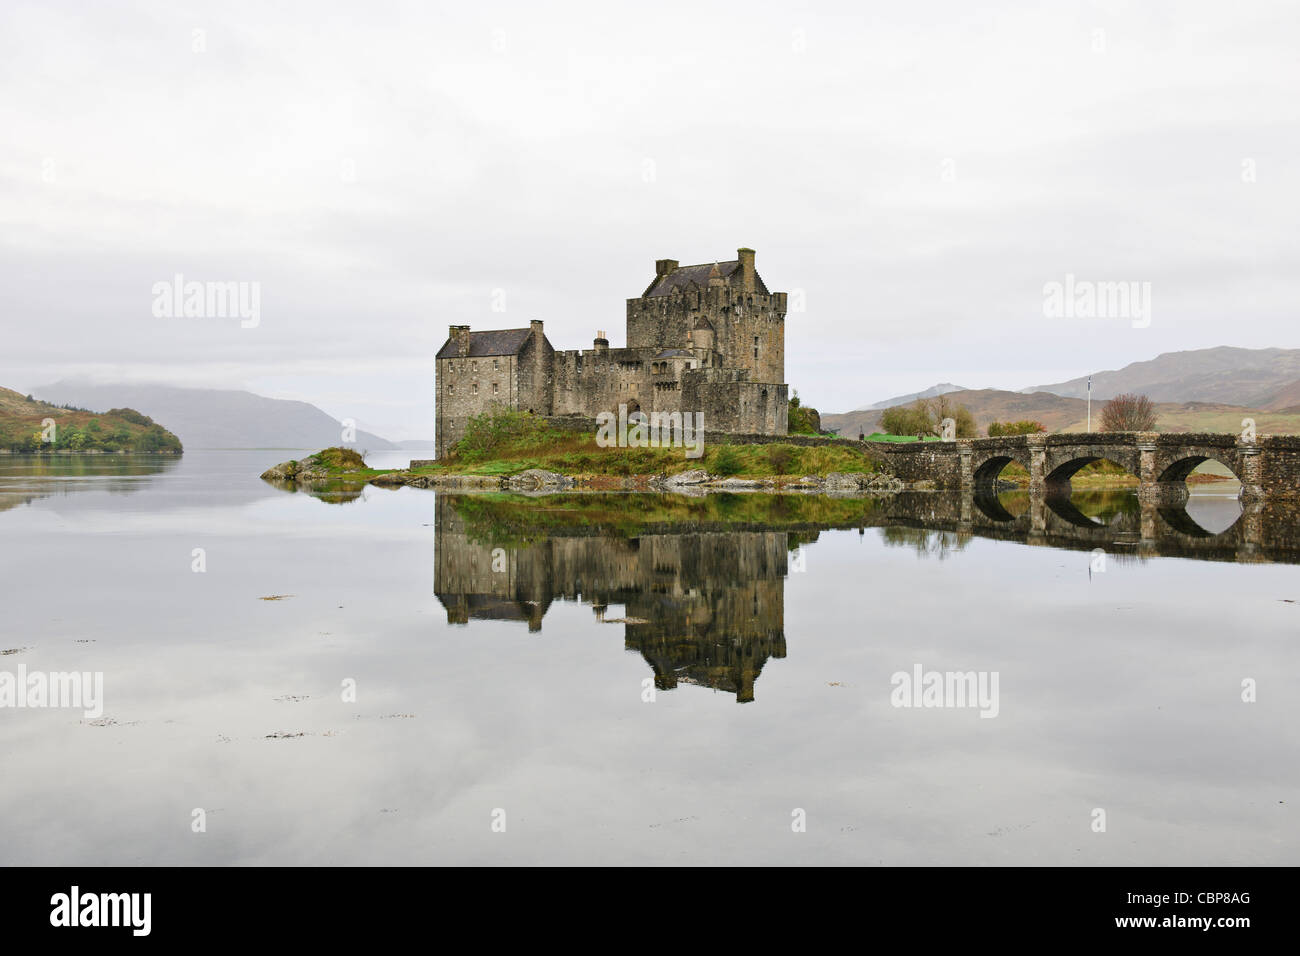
(919, 171)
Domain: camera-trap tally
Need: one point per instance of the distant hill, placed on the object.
(23, 428)
(943, 388)
(1286, 398)
(1060, 414)
(1230, 376)
(218, 418)
(986, 404)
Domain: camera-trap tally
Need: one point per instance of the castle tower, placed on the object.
(747, 321)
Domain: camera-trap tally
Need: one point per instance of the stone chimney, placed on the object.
(535, 326)
(601, 344)
(459, 334)
(664, 266)
(746, 257)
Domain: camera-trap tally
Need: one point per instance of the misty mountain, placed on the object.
(934, 390)
(1226, 375)
(218, 418)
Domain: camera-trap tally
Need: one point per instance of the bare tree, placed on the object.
(942, 407)
(1128, 413)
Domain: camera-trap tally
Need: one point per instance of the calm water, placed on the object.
(503, 654)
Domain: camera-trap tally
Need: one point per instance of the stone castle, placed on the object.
(705, 338)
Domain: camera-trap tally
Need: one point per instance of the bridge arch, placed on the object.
(1174, 461)
(1065, 470)
(986, 468)
(1179, 469)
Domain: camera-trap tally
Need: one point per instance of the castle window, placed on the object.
(474, 388)
(451, 389)
(494, 388)
(476, 366)
(496, 366)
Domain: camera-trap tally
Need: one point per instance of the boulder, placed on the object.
(737, 484)
(535, 479)
(696, 476)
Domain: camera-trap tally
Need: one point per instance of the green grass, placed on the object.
(579, 455)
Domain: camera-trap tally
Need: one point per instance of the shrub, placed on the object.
(780, 458)
(802, 419)
(926, 418)
(1025, 427)
(906, 420)
(942, 407)
(497, 430)
(1128, 413)
(343, 459)
(726, 461)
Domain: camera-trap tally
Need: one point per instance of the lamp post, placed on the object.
(1089, 403)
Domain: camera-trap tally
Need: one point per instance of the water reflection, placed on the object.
(28, 478)
(702, 579)
(700, 608)
(330, 492)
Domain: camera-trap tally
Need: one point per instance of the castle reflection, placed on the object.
(701, 579)
(701, 608)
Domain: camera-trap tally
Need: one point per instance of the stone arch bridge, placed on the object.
(1267, 468)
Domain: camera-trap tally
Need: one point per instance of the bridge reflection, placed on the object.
(1254, 531)
(701, 580)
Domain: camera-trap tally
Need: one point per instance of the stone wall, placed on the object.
(1279, 466)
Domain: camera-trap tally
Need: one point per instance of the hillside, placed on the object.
(1225, 375)
(218, 418)
(986, 404)
(943, 388)
(119, 430)
(1286, 398)
(1061, 414)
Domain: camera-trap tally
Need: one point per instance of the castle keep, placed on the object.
(706, 338)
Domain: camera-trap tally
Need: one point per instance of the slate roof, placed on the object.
(683, 276)
(492, 342)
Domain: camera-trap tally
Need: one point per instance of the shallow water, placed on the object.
(636, 679)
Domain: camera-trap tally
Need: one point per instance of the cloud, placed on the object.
(919, 172)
